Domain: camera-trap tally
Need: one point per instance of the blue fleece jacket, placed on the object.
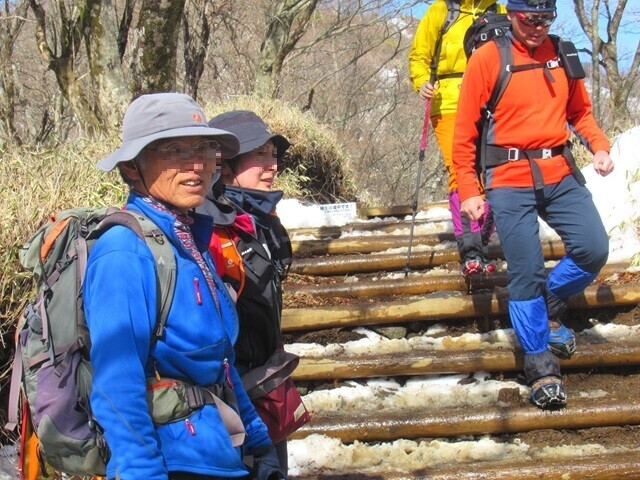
(120, 305)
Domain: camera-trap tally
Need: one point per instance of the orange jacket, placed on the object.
(532, 114)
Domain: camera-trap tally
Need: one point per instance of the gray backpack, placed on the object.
(52, 374)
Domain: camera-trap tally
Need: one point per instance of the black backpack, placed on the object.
(453, 12)
(485, 28)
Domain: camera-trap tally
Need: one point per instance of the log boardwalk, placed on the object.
(345, 279)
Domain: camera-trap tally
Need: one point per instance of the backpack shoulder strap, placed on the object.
(453, 12)
(506, 59)
(162, 252)
(503, 43)
(234, 267)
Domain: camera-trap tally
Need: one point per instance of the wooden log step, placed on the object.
(413, 285)
(606, 466)
(603, 466)
(398, 210)
(427, 362)
(385, 425)
(364, 244)
(440, 305)
(352, 264)
(388, 225)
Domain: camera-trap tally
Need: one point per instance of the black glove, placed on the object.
(266, 465)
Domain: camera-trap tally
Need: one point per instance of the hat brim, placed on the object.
(229, 144)
(281, 144)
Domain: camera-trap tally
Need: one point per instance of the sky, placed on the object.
(617, 197)
(568, 27)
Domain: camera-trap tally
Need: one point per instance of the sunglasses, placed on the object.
(207, 149)
(535, 20)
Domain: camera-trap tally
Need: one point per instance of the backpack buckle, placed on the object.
(553, 64)
(546, 153)
(513, 154)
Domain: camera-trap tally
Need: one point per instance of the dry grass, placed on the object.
(36, 183)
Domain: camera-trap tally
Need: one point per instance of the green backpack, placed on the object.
(51, 365)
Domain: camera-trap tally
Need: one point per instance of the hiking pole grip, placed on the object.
(414, 205)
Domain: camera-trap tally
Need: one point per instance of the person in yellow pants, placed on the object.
(437, 62)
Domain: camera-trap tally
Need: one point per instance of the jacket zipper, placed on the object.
(196, 286)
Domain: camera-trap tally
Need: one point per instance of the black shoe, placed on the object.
(548, 393)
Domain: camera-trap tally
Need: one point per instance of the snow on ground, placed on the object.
(617, 197)
(318, 452)
(496, 339)
(8, 463)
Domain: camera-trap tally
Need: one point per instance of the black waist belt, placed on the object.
(498, 155)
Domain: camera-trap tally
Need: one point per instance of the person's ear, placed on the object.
(226, 170)
(131, 170)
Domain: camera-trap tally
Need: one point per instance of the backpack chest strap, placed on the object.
(546, 66)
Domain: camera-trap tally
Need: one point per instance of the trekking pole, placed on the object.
(414, 205)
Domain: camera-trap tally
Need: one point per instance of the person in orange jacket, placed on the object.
(530, 174)
(437, 62)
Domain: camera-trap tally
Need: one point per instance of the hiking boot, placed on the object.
(489, 266)
(562, 341)
(472, 266)
(548, 393)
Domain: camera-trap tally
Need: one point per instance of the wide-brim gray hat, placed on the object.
(165, 115)
(250, 130)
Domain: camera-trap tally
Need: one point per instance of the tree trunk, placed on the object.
(279, 40)
(604, 53)
(197, 31)
(155, 53)
(12, 21)
(60, 57)
(109, 89)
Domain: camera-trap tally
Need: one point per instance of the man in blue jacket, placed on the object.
(168, 157)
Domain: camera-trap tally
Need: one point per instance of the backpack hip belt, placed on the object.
(497, 155)
(171, 399)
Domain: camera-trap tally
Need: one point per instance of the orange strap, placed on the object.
(28, 463)
(51, 237)
(234, 268)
